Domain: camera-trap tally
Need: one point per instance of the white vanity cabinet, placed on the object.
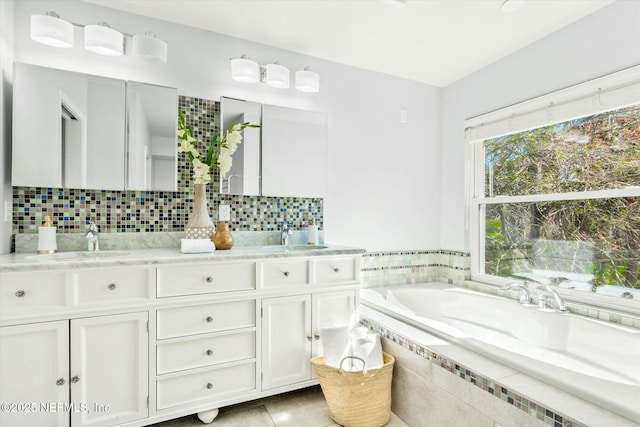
(291, 332)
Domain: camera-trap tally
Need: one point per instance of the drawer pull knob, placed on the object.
(112, 286)
(309, 337)
(209, 319)
(75, 379)
(336, 269)
(317, 337)
(209, 352)
(209, 279)
(60, 381)
(209, 386)
(286, 274)
(20, 293)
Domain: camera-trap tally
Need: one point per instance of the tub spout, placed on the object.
(562, 306)
(525, 295)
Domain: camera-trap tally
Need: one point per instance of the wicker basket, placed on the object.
(357, 399)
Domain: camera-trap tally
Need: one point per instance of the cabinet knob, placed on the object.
(209, 319)
(112, 286)
(209, 386)
(336, 269)
(75, 379)
(309, 337)
(209, 352)
(209, 279)
(60, 381)
(20, 293)
(317, 337)
(286, 274)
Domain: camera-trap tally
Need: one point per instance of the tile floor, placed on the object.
(302, 408)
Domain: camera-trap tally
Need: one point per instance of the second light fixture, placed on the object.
(248, 71)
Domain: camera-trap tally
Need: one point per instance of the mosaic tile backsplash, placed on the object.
(159, 211)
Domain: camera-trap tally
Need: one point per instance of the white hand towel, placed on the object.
(359, 332)
(335, 344)
(368, 349)
(196, 246)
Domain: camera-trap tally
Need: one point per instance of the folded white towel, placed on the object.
(359, 332)
(368, 349)
(196, 246)
(335, 344)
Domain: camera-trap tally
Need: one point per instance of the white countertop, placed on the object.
(65, 260)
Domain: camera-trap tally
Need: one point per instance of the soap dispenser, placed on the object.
(47, 237)
(313, 233)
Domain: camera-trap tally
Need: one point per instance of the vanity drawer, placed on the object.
(202, 319)
(33, 290)
(335, 270)
(207, 351)
(206, 386)
(279, 274)
(105, 286)
(204, 279)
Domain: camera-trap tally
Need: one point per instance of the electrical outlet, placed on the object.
(224, 212)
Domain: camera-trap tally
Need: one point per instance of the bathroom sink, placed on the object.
(68, 256)
(292, 248)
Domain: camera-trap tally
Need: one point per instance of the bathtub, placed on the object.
(594, 360)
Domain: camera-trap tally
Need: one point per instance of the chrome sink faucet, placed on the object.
(525, 295)
(562, 306)
(93, 243)
(284, 235)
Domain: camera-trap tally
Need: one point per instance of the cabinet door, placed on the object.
(109, 369)
(34, 370)
(286, 340)
(332, 309)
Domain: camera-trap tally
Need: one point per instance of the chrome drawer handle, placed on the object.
(75, 379)
(112, 286)
(209, 352)
(209, 386)
(209, 319)
(209, 279)
(20, 293)
(60, 381)
(317, 337)
(336, 269)
(286, 274)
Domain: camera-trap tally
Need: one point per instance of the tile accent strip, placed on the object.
(529, 406)
(159, 211)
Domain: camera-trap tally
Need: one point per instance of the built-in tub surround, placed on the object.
(160, 211)
(592, 360)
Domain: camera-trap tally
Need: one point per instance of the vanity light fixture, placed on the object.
(103, 39)
(51, 30)
(245, 70)
(275, 75)
(149, 47)
(307, 81)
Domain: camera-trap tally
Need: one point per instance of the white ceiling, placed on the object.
(431, 41)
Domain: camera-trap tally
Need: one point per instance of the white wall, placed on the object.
(6, 84)
(599, 44)
(383, 187)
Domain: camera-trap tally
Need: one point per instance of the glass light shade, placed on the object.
(245, 70)
(104, 40)
(307, 81)
(49, 29)
(277, 75)
(149, 47)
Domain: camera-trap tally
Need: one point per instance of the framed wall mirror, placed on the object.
(285, 157)
(70, 131)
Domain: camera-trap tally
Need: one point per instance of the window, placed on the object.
(560, 203)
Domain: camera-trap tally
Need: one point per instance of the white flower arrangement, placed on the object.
(220, 152)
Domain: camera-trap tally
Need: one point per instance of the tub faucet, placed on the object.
(562, 306)
(92, 238)
(525, 295)
(284, 235)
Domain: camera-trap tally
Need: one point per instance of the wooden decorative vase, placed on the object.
(223, 238)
